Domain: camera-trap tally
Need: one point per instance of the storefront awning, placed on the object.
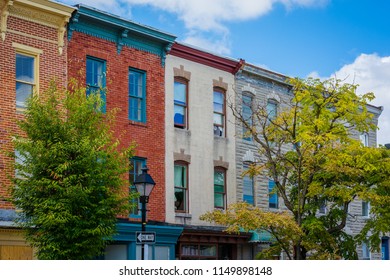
(261, 236)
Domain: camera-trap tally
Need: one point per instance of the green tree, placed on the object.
(309, 152)
(69, 174)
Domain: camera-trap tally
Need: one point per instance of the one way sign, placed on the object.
(146, 237)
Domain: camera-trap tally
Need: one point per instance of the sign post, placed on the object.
(145, 237)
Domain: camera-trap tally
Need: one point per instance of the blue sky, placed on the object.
(349, 39)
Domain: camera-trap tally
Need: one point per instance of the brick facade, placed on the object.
(36, 28)
(52, 66)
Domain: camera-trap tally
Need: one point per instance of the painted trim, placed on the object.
(203, 57)
(120, 31)
(165, 236)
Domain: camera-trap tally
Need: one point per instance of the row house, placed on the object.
(255, 85)
(127, 60)
(33, 51)
(173, 101)
(200, 150)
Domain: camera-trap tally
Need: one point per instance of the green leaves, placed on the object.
(70, 183)
(311, 152)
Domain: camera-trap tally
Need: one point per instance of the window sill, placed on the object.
(183, 130)
(141, 124)
(220, 138)
(183, 215)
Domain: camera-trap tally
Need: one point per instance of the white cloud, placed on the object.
(208, 43)
(203, 15)
(372, 73)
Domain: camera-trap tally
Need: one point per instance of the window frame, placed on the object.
(363, 137)
(250, 107)
(132, 188)
(365, 209)
(366, 253)
(222, 114)
(184, 189)
(142, 99)
(183, 81)
(35, 53)
(271, 195)
(224, 193)
(245, 168)
(274, 103)
(93, 88)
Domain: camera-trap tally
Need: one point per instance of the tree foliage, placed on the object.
(68, 174)
(309, 151)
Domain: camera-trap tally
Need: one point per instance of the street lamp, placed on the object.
(144, 184)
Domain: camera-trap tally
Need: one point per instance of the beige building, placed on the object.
(200, 150)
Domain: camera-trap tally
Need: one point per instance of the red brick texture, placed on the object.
(149, 136)
(52, 66)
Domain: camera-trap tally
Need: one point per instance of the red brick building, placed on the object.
(32, 53)
(127, 61)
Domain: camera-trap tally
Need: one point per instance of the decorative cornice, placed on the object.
(4, 13)
(44, 12)
(203, 57)
(120, 31)
(270, 75)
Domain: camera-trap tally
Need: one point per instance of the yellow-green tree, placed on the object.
(69, 174)
(310, 153)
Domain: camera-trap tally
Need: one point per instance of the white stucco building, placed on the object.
(200, 150)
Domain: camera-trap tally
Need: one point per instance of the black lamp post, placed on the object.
(144, 184)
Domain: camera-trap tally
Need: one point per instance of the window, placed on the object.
(25, 78)
(366, 254)
(219, 112)
(247, 115)
(96, 78)
(181, 186)
(272, 109)
(20, 162)
(364, 139)
(273, 200)
(365, 209)
(322, 209)
(135, 169)
(198, 251)
(219, 188)
(247, 192)
(137, 95)
(180, 103)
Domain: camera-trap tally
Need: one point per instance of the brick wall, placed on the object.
(51, 66)
(149, 136)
